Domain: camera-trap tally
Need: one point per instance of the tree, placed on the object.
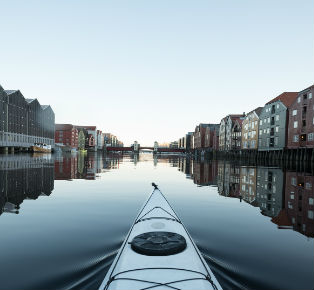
(81, 140)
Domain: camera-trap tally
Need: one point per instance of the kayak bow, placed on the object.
(159, 253)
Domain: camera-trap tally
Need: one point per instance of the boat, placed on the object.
(41, 148)
(159, 253)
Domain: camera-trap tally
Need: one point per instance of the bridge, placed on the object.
(155, 150)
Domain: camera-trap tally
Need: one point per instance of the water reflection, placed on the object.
(24, 177)
(83, 166)
(286, 197)
(84, 222)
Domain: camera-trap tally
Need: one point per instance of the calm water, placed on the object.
(63, 218)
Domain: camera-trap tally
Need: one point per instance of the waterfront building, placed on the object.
(3, 112)
(188, 141)
(250, 130)
(181, 143)
(274, 122)
(200, 134)
(301, 120)
(24, 122)
(100, 140)
(210, 137)
(216, 139)
(174, 145)
(222, 134)
(90, 135)
(67, 135)
(230, 128)
(111, 140)
(107, 139)
(236, 134)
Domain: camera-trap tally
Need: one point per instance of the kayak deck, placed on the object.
(184, 270)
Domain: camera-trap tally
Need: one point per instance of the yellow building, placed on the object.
(248, 184)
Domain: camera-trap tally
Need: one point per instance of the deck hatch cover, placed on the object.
(158, 243)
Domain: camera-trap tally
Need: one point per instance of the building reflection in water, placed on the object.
(269, 190)
(24, 177)
(299, 203)
(84, 166)
(286, 197)
(248, 177)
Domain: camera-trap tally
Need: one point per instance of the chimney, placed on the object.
(243, 114)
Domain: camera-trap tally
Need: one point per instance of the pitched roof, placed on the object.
(308, 88)
(258, 111)
(236, 116)
(287, 98)
(29, 100)
(9, 92)
(45, 106)
(282, 219)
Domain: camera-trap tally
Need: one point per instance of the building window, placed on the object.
(295, 138)
(268, 120)
(260, 132)
(310, 214)
(311, 201)
(261, 122)
(276, 140)
(277, 117)
(268, 130)
(299, 99)
(294, 112)
(310, 136)
(308, 185)
(295, 124)
(310, 95)
(277, 129)
(293, 181)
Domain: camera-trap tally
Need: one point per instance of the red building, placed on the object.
(66, 169)
(211, 140)
(216, 139)
(299, 202)
(67, 135)
(199, 135)
(301, 121)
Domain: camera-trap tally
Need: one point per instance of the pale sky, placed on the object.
(151, 70)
